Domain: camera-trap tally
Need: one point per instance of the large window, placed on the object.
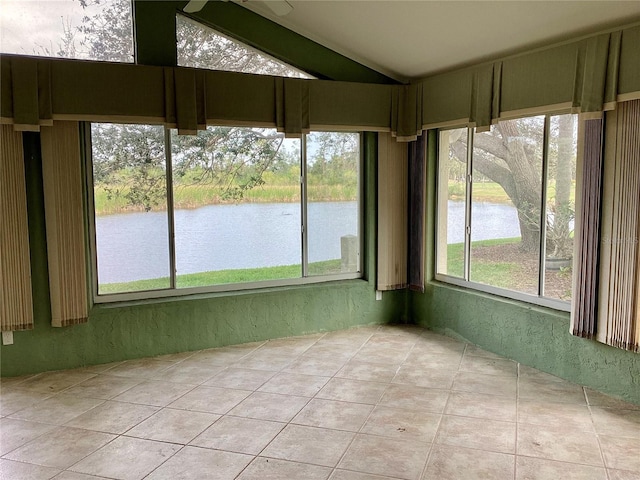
(228, 206)
(85, 29)
(199, 46)
(505, 214)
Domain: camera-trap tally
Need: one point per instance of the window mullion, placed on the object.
(467, 206)
(303, 206)
(170, 212)
(86, 130)
(543, 206)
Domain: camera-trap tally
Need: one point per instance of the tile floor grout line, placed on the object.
(165, 461)
(597, 435)
(68, 468)
(389, 383)
(442, 414)
(368, 416)
(285, 424)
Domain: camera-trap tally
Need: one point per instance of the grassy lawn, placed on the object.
(222, 277)
(194, 196)
(491, 192)
(489, 272)
(482, 192)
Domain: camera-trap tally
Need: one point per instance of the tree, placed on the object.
(129, 163)
(108, 35)
(129, 160)
(202, 47)
(334, 157)
(511, 155)
(233, 159)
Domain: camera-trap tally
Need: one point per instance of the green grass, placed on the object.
(194, 196)
(499, 274)
(223, 277)
(482, 192)
(491, 192)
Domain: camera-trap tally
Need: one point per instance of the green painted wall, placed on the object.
(154, 328)
(534, 336)
(138, 329)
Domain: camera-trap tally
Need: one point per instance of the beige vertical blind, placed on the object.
(62, 173)
(393, 164)
(619, 294)
(16, 307)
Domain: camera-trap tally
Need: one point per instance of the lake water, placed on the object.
(134, 246)
(488, 220)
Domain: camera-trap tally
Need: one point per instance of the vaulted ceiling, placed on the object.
(412, 39)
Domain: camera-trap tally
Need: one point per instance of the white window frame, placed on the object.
(172, 290)
(538, 299)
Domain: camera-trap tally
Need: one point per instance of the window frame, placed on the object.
(172, 290)
(465, 282)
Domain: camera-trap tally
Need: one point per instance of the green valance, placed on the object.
(36, 90)
(588, 75)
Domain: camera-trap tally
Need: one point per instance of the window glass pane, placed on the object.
(202, 47)
(130, 197)
(89, 29)
(333, 161)
(452, 187)
(506, 199)
(237, 206)
(560, 205)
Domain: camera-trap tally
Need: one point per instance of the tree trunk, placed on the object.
(502, 156)
(529, 232)
(527, 180)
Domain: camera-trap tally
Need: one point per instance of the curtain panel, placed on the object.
(417, 212)
(587, 229)
(16, 310)
(619, 290)
(64, 218)
(393, 164)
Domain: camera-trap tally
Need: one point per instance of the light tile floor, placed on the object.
(361, 404)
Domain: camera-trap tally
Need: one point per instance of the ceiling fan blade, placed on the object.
(279, 7)
(195, 6)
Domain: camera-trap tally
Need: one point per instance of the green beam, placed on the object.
(155, 30)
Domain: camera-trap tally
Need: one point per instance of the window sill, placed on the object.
(224, 291)
(500, 294)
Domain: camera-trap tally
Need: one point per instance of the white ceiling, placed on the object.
(411, 39)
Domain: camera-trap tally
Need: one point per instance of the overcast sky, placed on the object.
(27, 24)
